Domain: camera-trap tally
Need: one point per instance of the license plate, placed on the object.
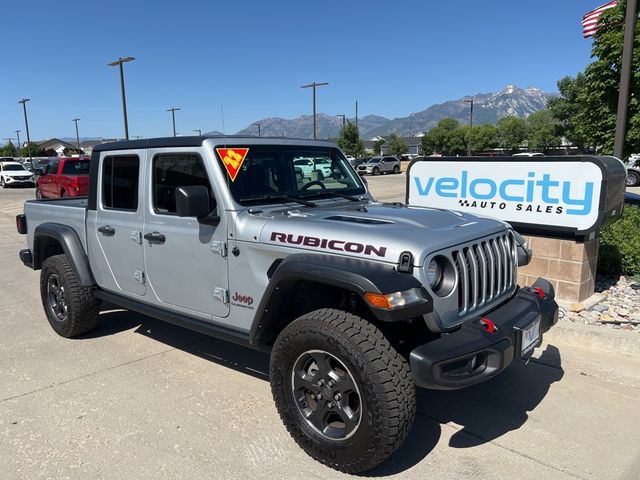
(530, 337)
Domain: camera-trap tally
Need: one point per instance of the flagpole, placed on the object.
(625, 77)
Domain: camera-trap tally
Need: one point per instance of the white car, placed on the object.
(528, 154)
(13, 174)
(308, 165)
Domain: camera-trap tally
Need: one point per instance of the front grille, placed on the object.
(486, 271)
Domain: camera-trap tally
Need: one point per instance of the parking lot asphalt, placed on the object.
(140, 399)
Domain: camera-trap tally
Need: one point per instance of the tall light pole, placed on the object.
(470, 125)
(173, 111)
(119, 62)
(257, 125)
(343, 119)
(26, 124)
(625, 75)
(199, 131)
(357, 116)
(314, 85)
(19, 146)
(76, 120)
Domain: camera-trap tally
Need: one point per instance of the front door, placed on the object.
(185, 260)
(115, 232)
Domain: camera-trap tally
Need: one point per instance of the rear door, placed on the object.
(114, 233)
(185, 260)
(47, 182)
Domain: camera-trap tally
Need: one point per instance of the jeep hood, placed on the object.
(375, 231)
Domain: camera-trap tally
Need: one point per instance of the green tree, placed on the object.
(377, 146)
(485, 137)
(397, 145)
(9, 150)
(587, 104)
(542, 131)
(567, 111)
(35, 151)
(512, 132)
(446, 138)
(349, 140)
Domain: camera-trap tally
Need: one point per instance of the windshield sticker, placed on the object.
(232, 159)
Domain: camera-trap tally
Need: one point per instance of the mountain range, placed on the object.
(488, 108)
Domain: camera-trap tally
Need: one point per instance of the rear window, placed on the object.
(120, 182)
(76, 167)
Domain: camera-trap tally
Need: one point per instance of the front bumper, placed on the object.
(19, 181)
(472, 354)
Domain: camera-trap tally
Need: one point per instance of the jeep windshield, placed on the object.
(283, 173)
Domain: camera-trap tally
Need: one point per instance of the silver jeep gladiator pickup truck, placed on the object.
(358, 301)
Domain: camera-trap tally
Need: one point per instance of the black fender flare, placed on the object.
(71, 245)
(354, 275)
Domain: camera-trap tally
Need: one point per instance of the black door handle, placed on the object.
(107, 230)
(154, 237)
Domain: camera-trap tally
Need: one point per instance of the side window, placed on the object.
(53, 168)
(120, 182)
(171, 171)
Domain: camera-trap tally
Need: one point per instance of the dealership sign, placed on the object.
(559, 195)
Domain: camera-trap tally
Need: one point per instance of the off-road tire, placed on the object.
(383, 378)
(82, 308)
(376, 171)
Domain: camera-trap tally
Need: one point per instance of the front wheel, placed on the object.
(343, 392)
(633, 178)
(38, 194)
(2, 183)
(376, 171)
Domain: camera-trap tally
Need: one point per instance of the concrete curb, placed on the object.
(597, 338)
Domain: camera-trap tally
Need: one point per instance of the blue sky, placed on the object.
(394, 57)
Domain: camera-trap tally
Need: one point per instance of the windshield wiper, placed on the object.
(280, 198)
(335, 194)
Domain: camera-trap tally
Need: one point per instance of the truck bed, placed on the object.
(66, 211)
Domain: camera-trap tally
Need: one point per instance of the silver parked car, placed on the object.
(633, 176)
(378, 165)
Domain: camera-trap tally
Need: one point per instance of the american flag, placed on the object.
(590, 19)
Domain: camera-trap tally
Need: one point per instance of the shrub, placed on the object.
(620, 245)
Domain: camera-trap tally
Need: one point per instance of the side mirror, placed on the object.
(195, 202)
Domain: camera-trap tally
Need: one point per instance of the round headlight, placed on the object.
(434, 273)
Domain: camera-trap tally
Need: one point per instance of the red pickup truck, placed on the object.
(64, 177)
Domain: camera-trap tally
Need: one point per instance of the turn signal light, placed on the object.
(377, 300)
(394, 300)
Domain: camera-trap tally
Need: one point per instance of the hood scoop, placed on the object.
(358, 220)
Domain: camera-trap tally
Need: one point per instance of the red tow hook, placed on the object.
(489, 326)
(539, 291)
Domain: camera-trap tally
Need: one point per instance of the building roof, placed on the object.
(54, 143)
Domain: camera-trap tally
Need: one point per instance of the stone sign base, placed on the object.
(569, 265)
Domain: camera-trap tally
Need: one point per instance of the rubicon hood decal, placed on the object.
(328, 244)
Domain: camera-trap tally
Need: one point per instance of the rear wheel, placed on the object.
(396, 169)
(343, 392)
(71, 308)
(633, 178)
